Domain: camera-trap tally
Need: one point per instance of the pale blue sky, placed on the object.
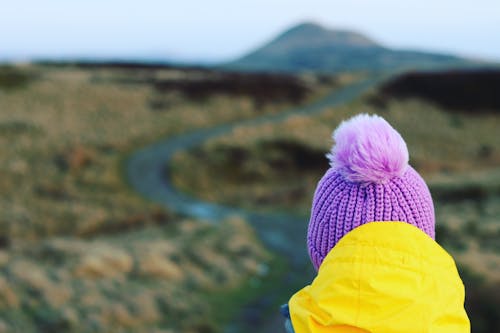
(223, 29)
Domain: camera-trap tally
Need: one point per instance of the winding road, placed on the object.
(284, 234)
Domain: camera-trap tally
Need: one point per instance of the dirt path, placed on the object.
(284, 234)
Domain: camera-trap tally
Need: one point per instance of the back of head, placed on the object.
(369, 180)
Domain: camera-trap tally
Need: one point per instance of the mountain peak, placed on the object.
(314, 32)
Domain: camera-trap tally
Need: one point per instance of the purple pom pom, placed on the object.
(368, 149)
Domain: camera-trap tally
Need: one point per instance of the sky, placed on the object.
(219, 30)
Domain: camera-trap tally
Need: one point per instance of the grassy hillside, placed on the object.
(311, 47)
(81, 252)
(472, 91)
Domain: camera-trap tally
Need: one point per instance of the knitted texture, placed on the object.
(355, 191)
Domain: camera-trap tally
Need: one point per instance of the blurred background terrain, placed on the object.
(84, 249)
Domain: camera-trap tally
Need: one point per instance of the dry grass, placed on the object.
(79, 250)
(438, 141)
(134, 281)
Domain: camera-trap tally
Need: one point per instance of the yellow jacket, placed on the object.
(383, 277)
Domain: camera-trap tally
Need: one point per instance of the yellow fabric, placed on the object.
(383, 277)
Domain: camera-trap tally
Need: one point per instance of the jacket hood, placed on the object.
(383, 277)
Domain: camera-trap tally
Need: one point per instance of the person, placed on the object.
(371, 240)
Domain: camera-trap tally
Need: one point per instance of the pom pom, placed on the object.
(368, 150)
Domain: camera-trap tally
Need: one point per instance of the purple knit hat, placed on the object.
(369, 180)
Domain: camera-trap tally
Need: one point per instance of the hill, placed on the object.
(312, 47)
